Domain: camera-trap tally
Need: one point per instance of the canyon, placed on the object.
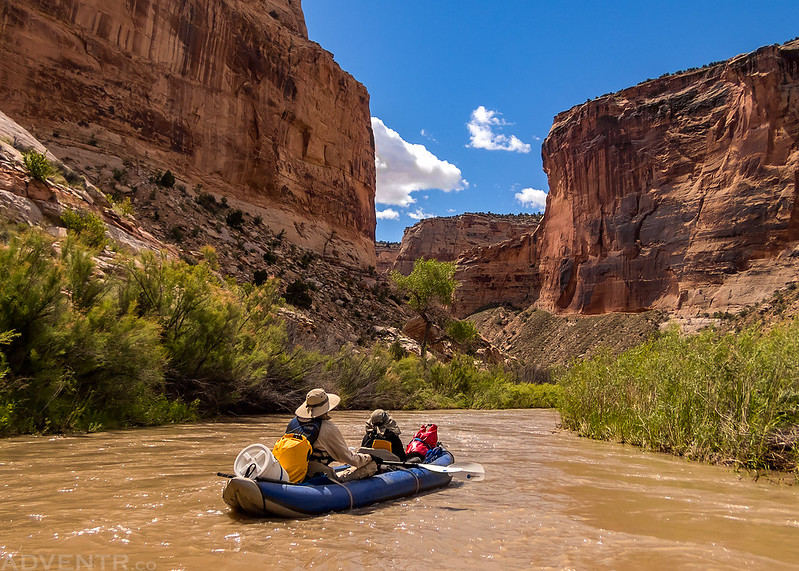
(676, 196)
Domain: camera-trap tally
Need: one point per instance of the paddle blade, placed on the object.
(470, 471)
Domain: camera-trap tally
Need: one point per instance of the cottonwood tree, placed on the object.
(429, 284)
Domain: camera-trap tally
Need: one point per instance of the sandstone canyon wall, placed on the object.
(230, 94)
(446, 239)
(386, 253)
(679, 193)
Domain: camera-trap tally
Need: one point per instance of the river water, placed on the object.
(150, 499)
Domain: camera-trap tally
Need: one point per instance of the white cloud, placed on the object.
(419, 214)
(403, 168)
(427, 135)
(533, 198)
(482, 136)
(387, 214)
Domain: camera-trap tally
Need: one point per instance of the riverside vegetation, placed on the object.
(730, 398)
(145, 340)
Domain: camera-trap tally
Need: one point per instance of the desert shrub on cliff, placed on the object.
(297, 294)
(270, 258)
(167, 180)
(461, 331)
(122, 206)
(207, 201)
(89, 227)
(731, 398)
(37, 165)
(235, 218)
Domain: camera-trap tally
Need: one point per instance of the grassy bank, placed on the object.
(731, 398)
(379, 379)
(148, 340)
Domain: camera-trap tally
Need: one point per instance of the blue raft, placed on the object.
(321, 495)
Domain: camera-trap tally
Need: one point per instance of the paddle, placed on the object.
(471, 471)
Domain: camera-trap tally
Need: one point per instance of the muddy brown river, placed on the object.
(150, 499)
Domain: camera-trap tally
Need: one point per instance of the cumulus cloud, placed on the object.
(533, 198)
(418, 214)
(403, 168)
(387, 214)
(482, 130)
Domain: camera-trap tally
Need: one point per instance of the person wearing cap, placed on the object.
(329, 444)
(382, 432)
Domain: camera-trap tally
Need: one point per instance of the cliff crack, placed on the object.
(640, 224)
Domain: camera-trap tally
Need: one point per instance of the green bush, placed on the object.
(713, 397)
(87, 225)
(297, 294)
(411, 383)
(122, 206)
(37, 165)
(222, 341)
(461, 331)
(235, 218)
(167, 180)
(307, 259)
(260, 277)
(77, 362)
(270, 258)
(207, 201)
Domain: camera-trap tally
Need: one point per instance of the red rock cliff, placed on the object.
(227, 93)
(679, 193)
(446, 239)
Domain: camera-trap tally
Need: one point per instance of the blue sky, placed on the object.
(464, 92)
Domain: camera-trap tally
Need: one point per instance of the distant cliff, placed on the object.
(225, 93)
(679, 193)
(447, 238)
(386, 253)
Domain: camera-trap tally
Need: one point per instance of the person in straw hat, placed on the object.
(329, 444)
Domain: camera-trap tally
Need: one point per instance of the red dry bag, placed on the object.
(425, 439)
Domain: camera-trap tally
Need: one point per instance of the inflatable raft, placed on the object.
(265, 498)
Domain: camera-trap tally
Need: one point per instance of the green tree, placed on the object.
(430, 284)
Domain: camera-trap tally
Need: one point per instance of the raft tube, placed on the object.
(321, 495)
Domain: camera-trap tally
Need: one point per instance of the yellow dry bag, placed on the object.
(293, 449)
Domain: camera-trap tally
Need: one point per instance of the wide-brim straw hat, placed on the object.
(317, 403)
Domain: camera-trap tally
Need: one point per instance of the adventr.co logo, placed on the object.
(74, 562)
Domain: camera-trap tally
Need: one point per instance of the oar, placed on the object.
(471, 471)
